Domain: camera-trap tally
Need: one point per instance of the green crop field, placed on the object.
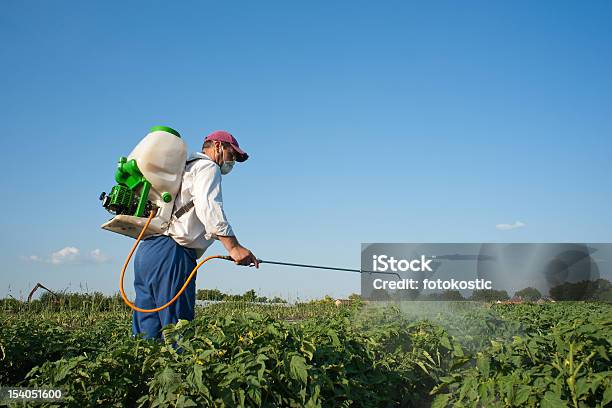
(316, 354)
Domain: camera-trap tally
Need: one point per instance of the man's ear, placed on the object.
(217, 147)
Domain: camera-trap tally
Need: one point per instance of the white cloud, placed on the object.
(508, 227)
(31, 258)
(97, 256)
(68, 255)
(64, 255)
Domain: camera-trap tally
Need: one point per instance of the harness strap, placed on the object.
(184, 209)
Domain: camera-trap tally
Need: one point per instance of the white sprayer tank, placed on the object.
(161, 158)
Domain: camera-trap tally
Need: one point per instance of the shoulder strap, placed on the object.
(184, 209)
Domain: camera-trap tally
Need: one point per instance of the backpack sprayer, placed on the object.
(148, 180)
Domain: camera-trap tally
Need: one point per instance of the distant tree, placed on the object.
(405, 294)
(249, 296)
(355, 299)
(600, 289)
(210, 294)
(529, 294)
(570, 291)
(379, 294)
(489, 295)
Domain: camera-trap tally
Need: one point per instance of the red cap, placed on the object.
(223, 136)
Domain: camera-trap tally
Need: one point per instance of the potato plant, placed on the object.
(317, 355)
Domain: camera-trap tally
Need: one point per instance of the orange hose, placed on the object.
(180, 292)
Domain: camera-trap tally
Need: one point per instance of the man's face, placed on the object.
(224, 153)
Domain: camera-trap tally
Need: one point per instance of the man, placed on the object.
(163, 262)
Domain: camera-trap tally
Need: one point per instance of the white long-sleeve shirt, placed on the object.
(200, 226)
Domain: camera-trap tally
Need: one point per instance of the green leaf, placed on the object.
(420, 364)
(552, 400)
(457, 350)
(185, 402)
(607, 397)
(298, 368)
(582, 387)
(441, 401)
(485, 391)
(308, 349)
(426, 354)
(197, 379)
(334, 337)
(522, 394)
(445, 342)
(167, 377)
(483, 364)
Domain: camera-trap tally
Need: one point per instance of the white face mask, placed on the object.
(227, 166)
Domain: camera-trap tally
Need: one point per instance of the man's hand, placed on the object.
(240, 254)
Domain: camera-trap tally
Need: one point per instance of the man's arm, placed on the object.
(240, 254)
(208, 203)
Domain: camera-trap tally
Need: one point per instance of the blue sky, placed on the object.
(365, 122)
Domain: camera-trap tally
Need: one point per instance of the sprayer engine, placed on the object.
(130, 195)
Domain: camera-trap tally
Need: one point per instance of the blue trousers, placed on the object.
(161, 267)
